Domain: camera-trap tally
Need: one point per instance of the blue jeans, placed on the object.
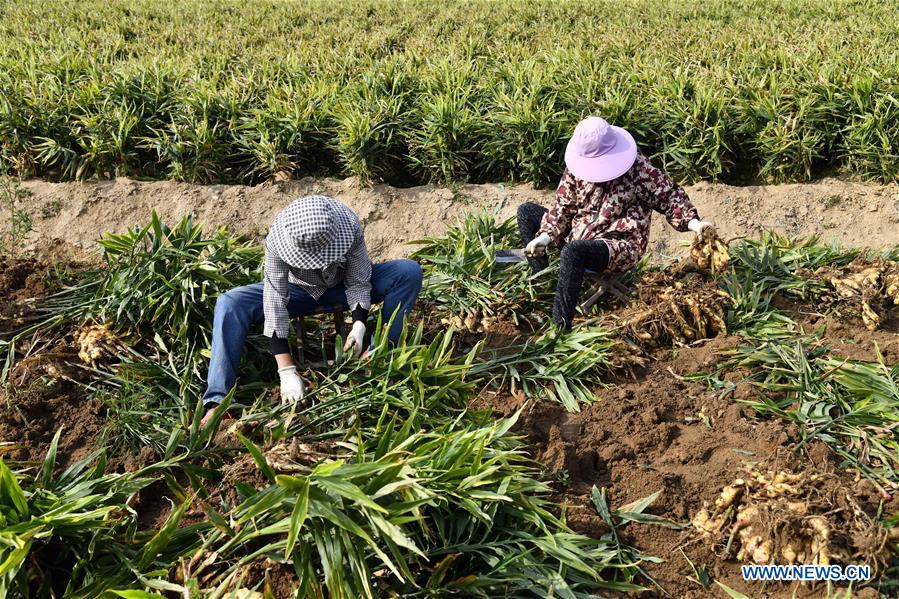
(396, 283)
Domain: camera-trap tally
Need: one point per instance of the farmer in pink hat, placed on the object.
(601, 217)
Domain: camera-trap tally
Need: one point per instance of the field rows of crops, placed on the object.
(416, 91)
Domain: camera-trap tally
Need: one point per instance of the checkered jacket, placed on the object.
(353, 269)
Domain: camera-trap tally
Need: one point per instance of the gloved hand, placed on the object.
(698, 226)
(355, 339)
(537, 246)
(292, 389)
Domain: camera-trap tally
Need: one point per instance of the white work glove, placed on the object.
(355, 339)
(698, 226)
(537, 246)
(292, 389)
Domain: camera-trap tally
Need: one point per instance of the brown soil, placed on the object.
(33, 413)
(154, 506)
(77, 212)
(840, 326)
(243, 470)
(660, 432)
(848, 339)
(272, 579)
(43, 394)
(500, 335)
(156, 503)
(22, 279)
(295, 456)
(19, 280)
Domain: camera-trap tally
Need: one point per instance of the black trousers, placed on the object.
(577, 257)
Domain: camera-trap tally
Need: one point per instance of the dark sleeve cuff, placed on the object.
(278, 345)
(360, 313)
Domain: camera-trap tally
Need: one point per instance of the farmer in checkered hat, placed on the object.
(315, 261)
(601, 217)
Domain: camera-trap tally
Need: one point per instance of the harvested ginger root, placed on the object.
(783, 517)
(870, 286)
(95, 343)
(709, 252)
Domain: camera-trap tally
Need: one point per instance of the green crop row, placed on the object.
(412, 91)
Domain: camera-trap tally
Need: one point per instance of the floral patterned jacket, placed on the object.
(618, 211)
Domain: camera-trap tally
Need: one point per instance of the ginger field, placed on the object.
(737, 405)
(708, 420)
(414, 91)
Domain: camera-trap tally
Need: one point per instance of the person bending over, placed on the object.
(315, 261)
(601, 217)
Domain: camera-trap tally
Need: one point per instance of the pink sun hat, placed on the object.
(599, 152)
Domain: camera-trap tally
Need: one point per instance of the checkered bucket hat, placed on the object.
(313, 231)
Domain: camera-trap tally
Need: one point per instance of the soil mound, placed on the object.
(21, 279)
(76, 213)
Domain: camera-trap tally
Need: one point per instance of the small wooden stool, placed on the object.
(600, 284)
(300, 324)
